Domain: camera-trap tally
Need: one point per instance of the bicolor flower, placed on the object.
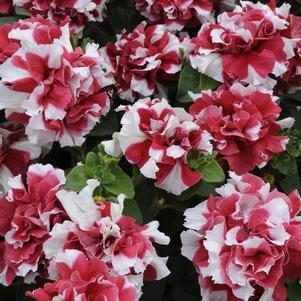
(158, 137)
(143, 59)
(28, 212)
(243, 122)
(244, 45)
(80, 12)
(59, 89)
(244, 241)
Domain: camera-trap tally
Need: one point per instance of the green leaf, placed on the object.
(122, 183)
(191, 80)
(294, 291)
(74, 39)
(207, 83)
(188, 81)
(9, 20)
(22, 11)
(293, 150)
(285, 163)
(291, 182)
(92, 160)
(212, 172)
(207, 166)
(132, 209)
(107, 125)
(77, 178)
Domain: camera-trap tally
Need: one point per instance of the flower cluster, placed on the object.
(143, 60)
(245, 45)
(290, 81)
(42, 224)
(178, 14)
(15, 151)
(100, 230)
(31, 32)
(80, 12)
(176, 94)
(244, 242)
(83, 279)
(53, 89)
(158, 137)
(242, 121)
(28, 212)
(6, 7)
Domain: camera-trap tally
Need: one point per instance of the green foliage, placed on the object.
(107, 125)
(207, 166)
(100, 166)
(9, 20)
(284, 163)
(191, 80)
(131, 208)
(288, 162)
(293, 291)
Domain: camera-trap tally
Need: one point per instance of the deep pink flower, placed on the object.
(59, 89)
(15, 151)
(31, 31)
(6, 7)
(28, 212)
(100, 230)
(84, 279)
(244, 45)
(241, 241)
(290, 81)
(175, 14)
(158, 138)
(242, 121)
(7, 46)
(143, 59)
(80, 12)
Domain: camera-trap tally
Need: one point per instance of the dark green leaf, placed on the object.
(285, 163)
(207, 83)
(122, 183)
(294, 291)
(188, 81)
(9, 20)
(191, 80)
(207, 166)
(107, 125)
(131, 208)
(291, 182)
(77, 178)
(22, 11)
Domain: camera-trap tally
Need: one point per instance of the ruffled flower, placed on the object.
(243, 122)
(28, 212)
(59, 89)
(80, 278)
(176, 15)
(100, 230)
(15, 152)
(290, 81)
(243, 242)
(143, 59)
(158, 138)
(80, 12)
(6, 7)
(244, 45)
(30, 32)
